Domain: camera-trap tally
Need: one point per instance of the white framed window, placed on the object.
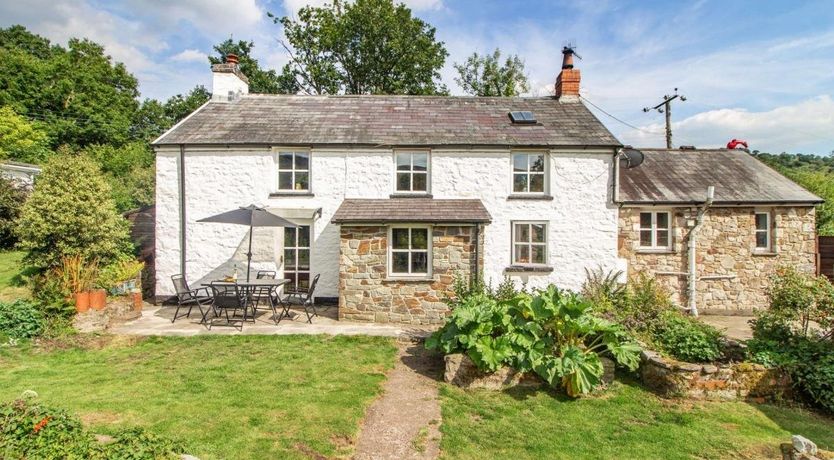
(412, 170)
(529, 243)
(409, 251)
(764, 231)
(529, 172)
(656, 230)
(293, 171)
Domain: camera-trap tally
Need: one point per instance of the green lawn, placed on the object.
(241, 397)
(9, 270)
(627, 422)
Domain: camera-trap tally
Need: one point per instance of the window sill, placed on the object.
(765, 253)
(285, 194)
(531, 197)
(409, 279)
(528, 269)
(410, 195)
(655, 251)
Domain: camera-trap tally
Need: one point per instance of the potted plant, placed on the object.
(77, 279)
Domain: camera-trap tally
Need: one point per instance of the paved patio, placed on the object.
(734, 327)
(156, 320)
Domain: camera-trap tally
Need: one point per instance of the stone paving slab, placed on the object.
(734, 327)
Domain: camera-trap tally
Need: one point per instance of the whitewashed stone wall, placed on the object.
(582, 219)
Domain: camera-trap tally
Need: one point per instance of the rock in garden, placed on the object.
(803, 445)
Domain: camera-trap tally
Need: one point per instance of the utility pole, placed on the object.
(666, 107)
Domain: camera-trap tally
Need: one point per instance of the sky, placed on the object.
(761, 71)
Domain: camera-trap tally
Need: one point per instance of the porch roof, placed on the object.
(425, 210)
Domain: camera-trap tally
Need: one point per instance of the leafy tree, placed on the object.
(485, 76)
(11, 200)
(71, 212)
(362, 47)
(260, 80)
(179, 106)
(129, 172)
(153, 117)
(21, 140)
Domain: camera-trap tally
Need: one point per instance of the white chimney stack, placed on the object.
(228, 82)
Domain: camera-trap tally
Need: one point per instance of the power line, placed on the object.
(619, 120)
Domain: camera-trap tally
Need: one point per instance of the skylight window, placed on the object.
(523, 117)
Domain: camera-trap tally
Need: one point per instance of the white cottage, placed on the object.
(395, 196)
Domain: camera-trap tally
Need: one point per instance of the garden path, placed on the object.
(404, 423)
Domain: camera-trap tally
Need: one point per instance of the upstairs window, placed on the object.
(529, 172)
(655, 230)
(763, 231)
(409, 250)
(294, 171)
(529, 243)
(412, 172)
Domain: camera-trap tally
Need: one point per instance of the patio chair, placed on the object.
(262, 293)
(187, 297)
(225, 298)
(306, 299)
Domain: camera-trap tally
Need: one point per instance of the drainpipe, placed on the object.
(182, 209)
(477, 252)
(693, 238)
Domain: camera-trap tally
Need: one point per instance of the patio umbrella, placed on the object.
(252, 216)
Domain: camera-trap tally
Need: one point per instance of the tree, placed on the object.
(129, 172)
(153, 117)
(484, 76)
(260, 80)
(21, 140)
(71, 213)
(12, 198)
(362, 47)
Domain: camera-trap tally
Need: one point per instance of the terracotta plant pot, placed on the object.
(137, 301)
(82, 301)
(98, 299)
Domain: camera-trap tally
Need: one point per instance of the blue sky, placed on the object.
(758, 70)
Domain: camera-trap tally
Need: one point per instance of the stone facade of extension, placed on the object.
(368, 293)
(725, 246)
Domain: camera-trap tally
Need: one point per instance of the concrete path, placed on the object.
(404, 423)
(157, 321)
(734, 327)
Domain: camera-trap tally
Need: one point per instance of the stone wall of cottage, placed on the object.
(368, 293)
(725, 246)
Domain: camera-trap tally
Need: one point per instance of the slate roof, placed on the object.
(390, 121)
(426, 210)
(682, 177)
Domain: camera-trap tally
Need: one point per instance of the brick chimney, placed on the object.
(228, 82)
(567, 83)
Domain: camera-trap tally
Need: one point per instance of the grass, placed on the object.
(624, 423)
(10, 268)
(242, 397)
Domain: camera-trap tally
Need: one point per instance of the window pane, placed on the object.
(303, 259)
(522, 254)
(663, 238)
(663, 220)
(289, 258)
(761, 221)
(304, 236)
(645, 220)
(285, 160)
(520, 162)
(399, 262)
(421, 161)
(302, 181)
(522, 233)
(419, 262)
(403, 162)
(289, 237)
(403, 182)
(645, 238)
(538, 254)
(399, 237)
(302, 161)
(520, 182)
(538, 233)
(419, 182)
(303, 281)
(285, 181)
(537, 183)
(419, 238)
(761, 239)
(537, 163)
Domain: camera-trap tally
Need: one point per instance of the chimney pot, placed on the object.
(232, 59)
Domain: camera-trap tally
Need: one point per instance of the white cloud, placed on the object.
(190, 55)
(291, 7)
(207, 15)
(808, 124)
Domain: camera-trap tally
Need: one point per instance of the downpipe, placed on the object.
(692, 277)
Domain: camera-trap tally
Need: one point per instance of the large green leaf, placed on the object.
(582, 370)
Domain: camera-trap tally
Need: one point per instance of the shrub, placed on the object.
(645, 305)
(687, 339)
(604, 289)
(71, 213)
(797, 298)
(12, 198)
(812, 369)
(20, 319)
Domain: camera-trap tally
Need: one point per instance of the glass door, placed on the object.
(297, 257)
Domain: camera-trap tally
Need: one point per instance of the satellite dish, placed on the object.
(630, 157)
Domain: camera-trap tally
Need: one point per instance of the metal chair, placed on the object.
(227, 297)
(262, 293)
(187, 297)
(306, 299)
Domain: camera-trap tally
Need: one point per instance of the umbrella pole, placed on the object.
(249, 255)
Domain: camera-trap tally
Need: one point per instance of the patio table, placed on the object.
(251, 288)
